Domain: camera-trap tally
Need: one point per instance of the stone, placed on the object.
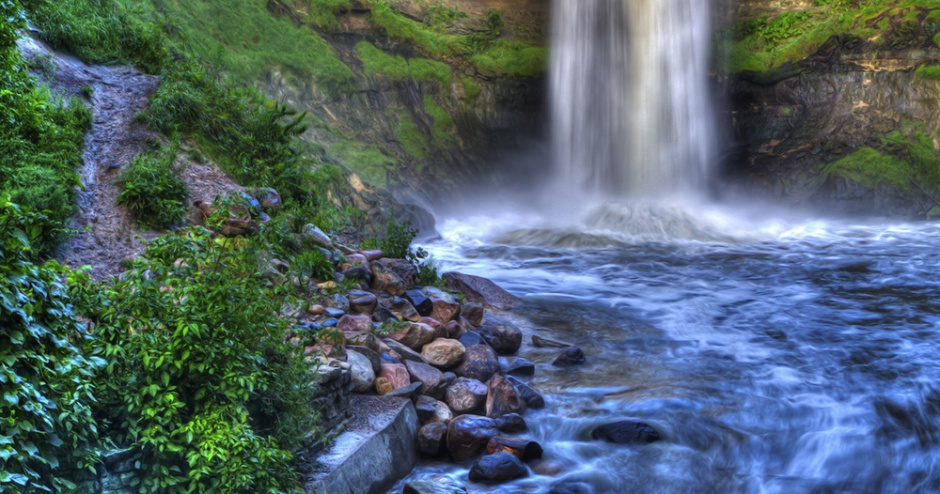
(471, 338)
(437, 484)
(313, 235)
(541, 342)
(432, 439)
(500, 467)
(434, 323)
(361, 302)
(431, 379)
(415, 335)
(386, 280)
(453, 330)
(397, 375)
(532, 397)
(420, 301)
(340, 302)
(480, 290)
(571, 357)
(359, 260)
(442, 413)
(401, 308)
(473, 312)
(467, 436)
(443, 353)
(626, 432)
(374, 359)
(404, 269)
(426, 408)
(354, 326)
(517, 366)
(479, 362)
(523, 449)
(511, 423)
(331, 322)
(444, 306)
(403, 351)
(449, 378)
(372, 255)
(466, 396)
(269, 199)
(360, 369)
(358, 273)
(383, 386)
(316, 309)
(411, 391)
(334, 312)
(502, 398)
(381, 315)
(501, 334)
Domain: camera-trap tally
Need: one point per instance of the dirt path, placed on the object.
(106, 233)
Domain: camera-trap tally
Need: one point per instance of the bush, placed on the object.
(153, 190)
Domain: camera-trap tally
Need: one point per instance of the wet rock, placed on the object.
(571, 357)
(361, 302)
(354, 326)
(385, 280)
(444, 353)
(397, 375)
(268, 198)
(372, 255)
(363, 377)
(434, 323)
(374, 359)
(479, 362)
(438, 484)
(315, 236)
(442, 413)
(501, 334)
(523, 449)
(444, 306)
(331, 322)
(626, 432)
(473, 312)
(467, 436)
(401, 308)
(415, 336)
(381, 315)
(502, 398)
(405, 352)
(480, 290)
(403, 269)
(426, 407)
(339, 301)
(420, 301)
(432, 439)
(450, 378)
(500, 467)
(570, 487)
(511, 423)
(466, 396)
(334, 312)
(517, 366)
(532, 397)
(542, 342)
(411, 391)
(358, 273)
(431, 379)
(471, 338)
(452, 330)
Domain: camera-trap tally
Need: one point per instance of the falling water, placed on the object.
(630, 103)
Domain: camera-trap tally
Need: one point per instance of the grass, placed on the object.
(903, 161)
(395, 67)
(870, 168)
(370, 162)
(512, 58)
(443, 129)
(471, 90)
(412, 140)
(928, 72)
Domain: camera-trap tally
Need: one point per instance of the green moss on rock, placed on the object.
(443, 126)
(870, 168)
(370, 162)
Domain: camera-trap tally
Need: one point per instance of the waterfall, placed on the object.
(629, 100)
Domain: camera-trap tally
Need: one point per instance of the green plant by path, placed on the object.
(153, 189)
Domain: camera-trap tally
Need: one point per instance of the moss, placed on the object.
(512, 58)
(870, 168)
(423, 69)
(323, 12)
(441, 131)
(404, 29)
(413, 141)
(936, 39)
(928, 71)
(370, 162)
(471, 90)
(376, 61)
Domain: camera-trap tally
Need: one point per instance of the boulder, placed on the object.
(501, 334)
(420, 301)
(453, 330)
(500, 467)
(437, 484)
(502, 398)
(386, 280)
(426, 407)
(466, 396)
(404, 352)
(432, 439)
(315, 236)
(626, 432)
(532, 397)
(467, 436)
(442, 413)
(404, 269)
(473, 312)
(383, 386)
(517, 366)
(360, 368)
(411, 391)
(523, 449)
(571, 357)
(431, 379)
(401, 308)
(374, 359)
(339, 301)
(444, 306)
(354, 327)
(358, 273)
(415, 336)
(511, 423)
(480, 290)
(443, 353)
(334, 312)
(361, 302)
(542, 342)
(397, 375)
(479, 362)
(381, 315)
(434, 323)
(471, 338)
(372, 255)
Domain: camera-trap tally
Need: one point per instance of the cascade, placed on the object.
(629, 99)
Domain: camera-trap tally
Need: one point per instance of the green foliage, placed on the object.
(153, 190)
(428, 268)
(471, 90)
(928, 71)
(46, 411)
(512, 58)
(376, 61)
(314, 264)
(412, 140)
(369, 161)
(443, 128)
(870, 168)
(396, 239)
(323, 12)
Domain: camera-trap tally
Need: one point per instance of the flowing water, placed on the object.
(773, 357)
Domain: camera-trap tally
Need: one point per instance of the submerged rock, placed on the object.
(571, 357)
(532, 397)
(467, 436)
(500, 467)
(523, 449)
(626, 432)
(434, 485)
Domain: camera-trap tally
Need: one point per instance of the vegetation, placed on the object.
(369, 161)
(443, 128)
(153, 189)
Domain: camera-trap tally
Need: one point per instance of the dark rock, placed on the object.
(502, 398)
(500, 467)
(269, 199)
(438, 484)
(401, 308)
(340, 302)
(450, 378)
(523, 449)
(386, 280)
(361, 302)
(432, 439)
(466, 396)
(334, 312)
(374, 359)
(415, 336)
(532, 397)
(452, 330)
(626, 432)
(467, 436)
(444, 306)
(420, 301)
(405, 352)
(431, 379)
(511, 423)
(434, 323)
(381, 314)
(426, 408)
(331, 322)
(480, 290)
(411, 391)
(473, 312)
(501, 334)
(571, 357)
(358, 273)
(516, 365)
(541, 342)
(404, 269)
(479, 362)
(471, 338)
(570, 487)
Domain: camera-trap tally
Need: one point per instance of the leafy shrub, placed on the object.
(153, 189)
(397, 238)
(313, 263)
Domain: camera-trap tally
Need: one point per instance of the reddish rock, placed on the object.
(372, 255)
(473, 312)
(397, 375)
(385, 280)
(480, 290)
(466, 396)
(415, 336)
(501, 334)
(432, 439)
(444, 306)
(453, 330)
(523, 449)
(467, 436)
(479, 362)
(431, 379)
(361, 302)
(354, 326)
(404, 269)
(502, 398)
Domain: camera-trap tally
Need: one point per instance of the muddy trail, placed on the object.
(105, 232)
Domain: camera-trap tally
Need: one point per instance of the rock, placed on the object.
(437, 484)
(443, 413)
(331, 322)
(467, 436)
(383, 386)
(480, 290)
(431, 439)
(571, 357)
(372, 255)
(516, 365)
(316, 309)
(334, 312)
(541, 342)
(401, 308)
(313, 235)
(511, 423)
(354, 326)
(532, 397)
(443, 353)
(426, 408)
(570, 487)
(434, 323)
(415, 336)
(523, 449)
(501, 334)
(452, 330)
(431, 379)
(420, 301)
(403, 269)
(466, 396)
(358, 273)
(361, 302)
(359, 260)
(471, 338)
(411, 391)
(386, 280)
(500, 467)
(479, 362)
(444, 306)
(502, 398)
(269, 199)
(381, 315)
(473, 312)
(405, 352)
(626, 432)
(397, 375)
(449, 378)
(374, 360)
(363, 377)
